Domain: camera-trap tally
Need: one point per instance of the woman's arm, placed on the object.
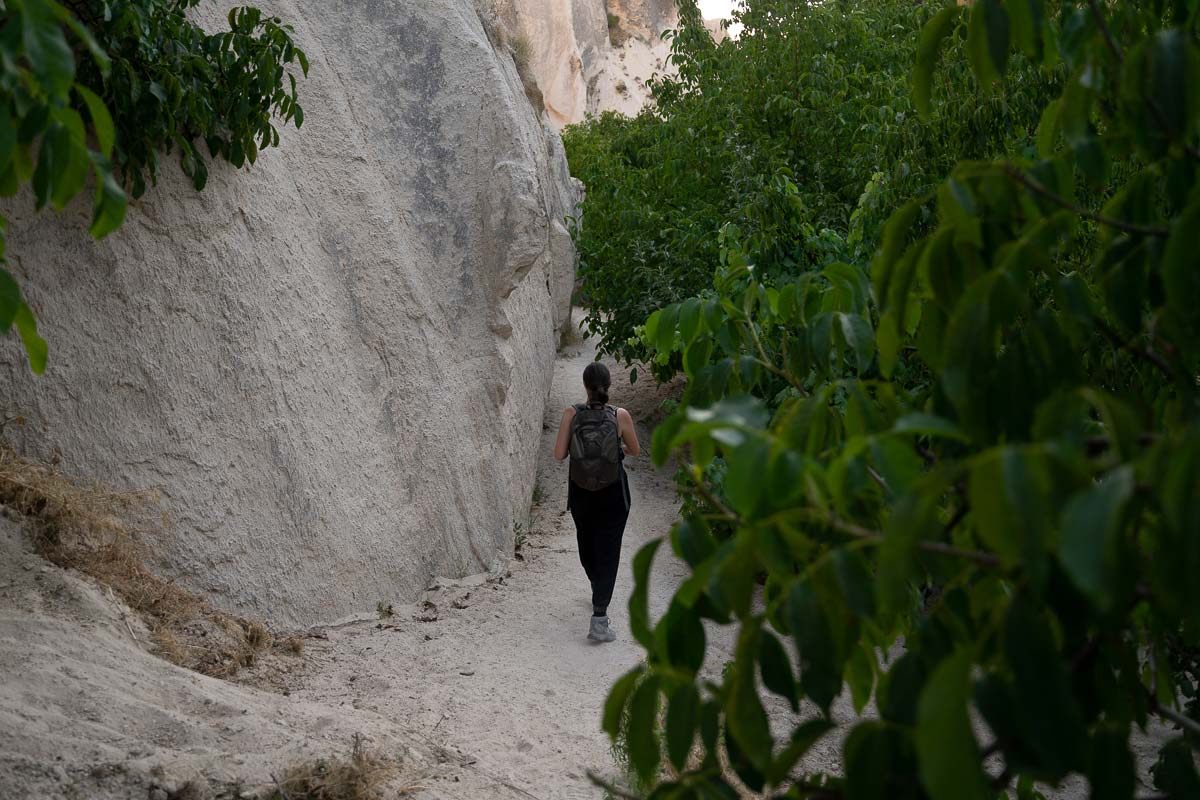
(628, 433)
(563, 443)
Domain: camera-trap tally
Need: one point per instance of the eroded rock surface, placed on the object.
(589, 56)
(333, 366)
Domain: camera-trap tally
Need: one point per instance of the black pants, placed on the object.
(599, 527)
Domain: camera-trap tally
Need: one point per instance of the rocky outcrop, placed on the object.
(588, 56)
(334, 365)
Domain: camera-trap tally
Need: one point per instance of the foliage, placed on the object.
(776, 132)
(1005, 406)
(101, 87)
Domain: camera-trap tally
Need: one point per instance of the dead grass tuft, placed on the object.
(87, 528)
(522, 53)
(361, 776)
(617, 35)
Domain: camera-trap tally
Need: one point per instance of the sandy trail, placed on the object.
(504, 685)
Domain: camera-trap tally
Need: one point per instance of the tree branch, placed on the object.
(936, 548)
(726, 513)
(612, 789)
(1098, 15)
(1145, 353)
(1187, 723)
(1019, 175)
(770, 365)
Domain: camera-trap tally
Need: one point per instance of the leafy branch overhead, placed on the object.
(100, 88)
(958, 480)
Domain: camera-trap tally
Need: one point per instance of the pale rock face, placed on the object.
(333, 365)
(581, 62)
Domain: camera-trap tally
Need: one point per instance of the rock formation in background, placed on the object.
(588, 56)
(333, 365)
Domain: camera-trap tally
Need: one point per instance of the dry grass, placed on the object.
(87, 528)
(522, 52)
(617, 34)
(361, 776)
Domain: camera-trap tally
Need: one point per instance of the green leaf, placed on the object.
(1050, 724)
(1175, 773)
(689, 320)
(80, 30)
(644, 749)
(102, 123)
(46, 48)
(1007, 497)
(1047, 130)
(996, 16)
(10, 300)
(860, 676)
(949, 756)
(639, 605)
(888, 340)
(744, 481)
(777, 669)
(732, 584)
(35, 346)
(1158, 91)
(811, 627)
(803, 738)
(979, 42)
(664, 332)
(618, 698)
(932, 36)
(681, 637)
(855, 580)
(69, 173)
(110, 203)
(683, 719)
(1026, 19)
(1091, 531)
(8, 137)
(744, 711)
(692, 542)
(875, 755)
(1111, 772)
(1181, 263)
(859, 338)
(697, 355)
(929, 425)
(895, 236)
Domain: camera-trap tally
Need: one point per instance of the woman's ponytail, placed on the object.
(597, 380)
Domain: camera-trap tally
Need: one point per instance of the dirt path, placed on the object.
(503, 684)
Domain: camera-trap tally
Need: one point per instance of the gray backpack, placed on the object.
(595, 447)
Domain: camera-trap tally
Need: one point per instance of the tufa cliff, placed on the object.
(588, 56)
(334, 366)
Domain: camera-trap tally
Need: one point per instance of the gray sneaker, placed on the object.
(600, 632)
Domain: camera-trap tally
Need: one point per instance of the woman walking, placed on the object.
(597, 437)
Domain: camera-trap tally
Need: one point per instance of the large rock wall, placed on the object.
(334, 364)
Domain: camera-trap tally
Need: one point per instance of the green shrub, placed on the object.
(103, 88)
(1005, 406)
(777, 133)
